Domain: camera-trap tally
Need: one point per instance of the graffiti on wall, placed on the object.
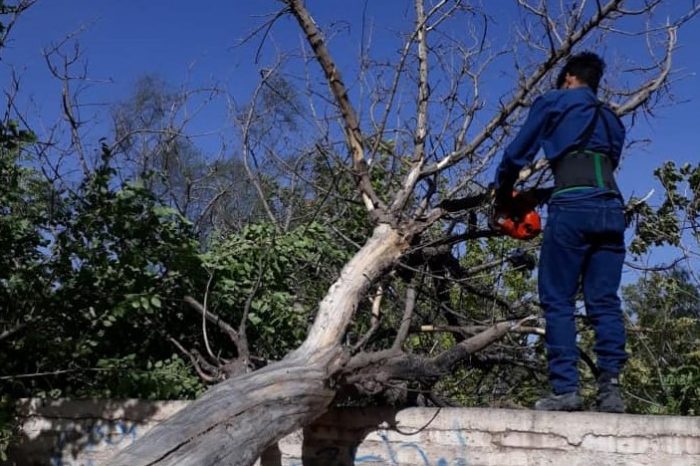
(391, 453)
(99, 436)
(79, 447)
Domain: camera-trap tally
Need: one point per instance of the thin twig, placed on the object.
(204, 317)
(375, 320)
(410, 305)
(213, 318)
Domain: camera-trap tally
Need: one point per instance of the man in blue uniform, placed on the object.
(583, 240)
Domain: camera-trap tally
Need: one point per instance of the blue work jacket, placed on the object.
(558, 122)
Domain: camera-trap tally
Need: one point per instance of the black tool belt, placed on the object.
(583, 168)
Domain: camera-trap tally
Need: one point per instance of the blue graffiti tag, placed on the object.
(393, 460)
(95, 437)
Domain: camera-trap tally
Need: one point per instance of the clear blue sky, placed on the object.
(196, 41)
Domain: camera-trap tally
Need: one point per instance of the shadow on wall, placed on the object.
(374, 436)
(88, 432)
(334, 438)
(81, 432)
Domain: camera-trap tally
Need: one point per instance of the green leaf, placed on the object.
(155, 301)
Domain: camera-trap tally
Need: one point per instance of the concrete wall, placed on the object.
(72, 433)
(88, 432)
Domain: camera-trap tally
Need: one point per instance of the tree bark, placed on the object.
(235, 421)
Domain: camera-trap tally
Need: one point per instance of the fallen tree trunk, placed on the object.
(235, 421)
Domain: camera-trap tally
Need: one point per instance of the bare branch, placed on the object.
(63, 73)
(375, 320)
(15, 11)
(447, 360)
(351, 123)
(247, 151)
(656, 268)
(213, 318)
(204, 317)
(421, 129)
(389, 365)
(474, 329)
(12, 330)
(243, 350)
(643, 94)
(195, 362)
(406, 319)
(54, 373)
(524, 89)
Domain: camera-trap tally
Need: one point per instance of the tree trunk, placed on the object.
(235, 421)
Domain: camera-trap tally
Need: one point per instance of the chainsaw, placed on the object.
(518, 218)
(514, 217)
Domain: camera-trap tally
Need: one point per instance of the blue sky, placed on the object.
(197, 42)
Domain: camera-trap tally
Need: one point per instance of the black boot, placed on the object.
(565, 402)
(609, 399)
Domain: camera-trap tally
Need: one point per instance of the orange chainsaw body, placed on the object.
(520, 220)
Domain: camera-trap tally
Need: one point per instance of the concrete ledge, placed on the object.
(89, 432)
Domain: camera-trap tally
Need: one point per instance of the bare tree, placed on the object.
(10, 15)
(439, 151)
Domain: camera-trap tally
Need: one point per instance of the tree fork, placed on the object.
(234, 422)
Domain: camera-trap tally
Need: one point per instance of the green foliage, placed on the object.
(23, 217)
(679, 210)
(92, 279)
(283, 274)
(94, 275)
(169, 378)
(664, 343)
(7, 425)
(664, 307)
(121, 240)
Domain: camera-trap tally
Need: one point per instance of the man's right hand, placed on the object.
(500, 206)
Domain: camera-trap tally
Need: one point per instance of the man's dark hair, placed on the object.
(586, 66)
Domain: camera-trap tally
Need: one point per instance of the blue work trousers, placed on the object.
(583, 244)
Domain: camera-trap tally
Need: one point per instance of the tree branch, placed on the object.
(421, 128)
(653, 85)
(214, 319)
(406, 319)
(248, 152)
(375, 320)
(353, 134)
(12, 330)
(195, 363)
(524, 89)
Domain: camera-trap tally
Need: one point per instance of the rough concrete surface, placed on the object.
(89, 432)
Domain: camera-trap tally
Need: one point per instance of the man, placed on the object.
(584, 236)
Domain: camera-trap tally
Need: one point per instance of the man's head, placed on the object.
(583, 69)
